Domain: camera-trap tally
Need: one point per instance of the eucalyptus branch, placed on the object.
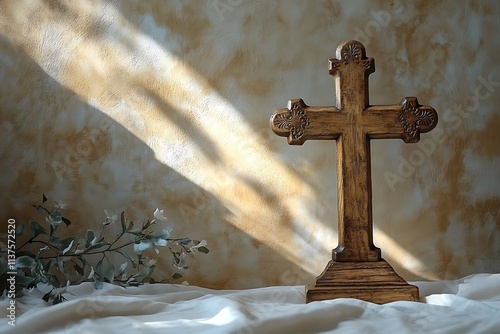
(45, 272)
(89, 253)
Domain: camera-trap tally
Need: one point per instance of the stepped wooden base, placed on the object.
(374, 282)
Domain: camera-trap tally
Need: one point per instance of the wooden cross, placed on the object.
(352, 122)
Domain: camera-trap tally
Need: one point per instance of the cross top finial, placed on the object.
(350, 70)
(351, 52)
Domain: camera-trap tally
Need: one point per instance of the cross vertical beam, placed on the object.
(355, 231)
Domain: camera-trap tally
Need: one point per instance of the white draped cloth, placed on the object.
(468, 305)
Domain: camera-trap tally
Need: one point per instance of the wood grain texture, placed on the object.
(352, 122)
(376, 282)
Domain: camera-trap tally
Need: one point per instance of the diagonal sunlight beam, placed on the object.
(401, 256)
(159, 98)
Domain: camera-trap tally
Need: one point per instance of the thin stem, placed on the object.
(96, 252)
(121, 234)
(29, 241)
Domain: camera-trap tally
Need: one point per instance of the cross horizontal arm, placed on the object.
(300, 122)
(405, 120)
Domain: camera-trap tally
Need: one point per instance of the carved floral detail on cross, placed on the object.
(294, 120)
(351, 52)
(414, 119)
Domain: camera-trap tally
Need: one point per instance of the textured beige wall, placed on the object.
(133, 105)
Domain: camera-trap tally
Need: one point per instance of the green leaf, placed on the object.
(203, 250)
(25, 262)
(43, 249)
(105, 272)
(55, 281)
(99, 268)
(159, 242)
(41, 209)
(84, 262)
(66, 244)
(123, 267)
(151, 269)
(78, 269)
(125, 255)
(130, 225)
(44, 286)
(24, 281)
(44, 199)
(98, 284)
(60, 263)
(143, 245)
(185, 241)
(66, 221)
(55, 219)
(178, 260)
(163, 234)
(89, 236)
(92, 273)
(58, 299)
(54, 241)
(123, 221)
(49, 264)
(46, 296)
(24, 252)
(19, 230)
(65, 250)
(109, 272)
(176, 276)
(145, 272)
(36, 229)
